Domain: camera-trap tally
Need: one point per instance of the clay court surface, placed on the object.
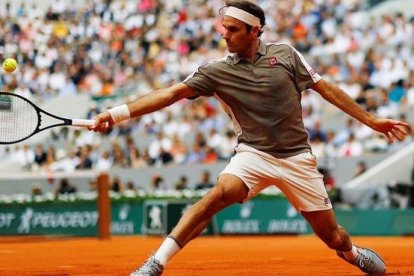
(237, 255)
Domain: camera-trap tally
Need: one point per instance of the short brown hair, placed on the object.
(249, 7)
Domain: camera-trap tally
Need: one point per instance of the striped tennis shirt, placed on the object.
(263, 99)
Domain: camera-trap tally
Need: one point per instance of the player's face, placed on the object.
(237, 37)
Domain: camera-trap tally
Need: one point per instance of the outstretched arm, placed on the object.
(151, 102)
(392, 129)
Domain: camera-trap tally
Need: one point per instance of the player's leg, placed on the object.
(228, 190)
(325, 227)
(303, 185)
(246, 175)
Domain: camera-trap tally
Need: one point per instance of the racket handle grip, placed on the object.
(82, 122)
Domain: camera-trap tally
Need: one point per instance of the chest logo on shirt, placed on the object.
(273, 61)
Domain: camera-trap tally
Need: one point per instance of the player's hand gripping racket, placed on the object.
(21, 119)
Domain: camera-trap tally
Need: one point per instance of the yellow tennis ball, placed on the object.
(9, 65)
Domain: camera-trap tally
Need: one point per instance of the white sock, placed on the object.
(352, 254)
(167, 250)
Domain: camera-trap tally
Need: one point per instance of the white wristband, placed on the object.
(119, 113)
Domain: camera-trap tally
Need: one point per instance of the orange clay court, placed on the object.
(229, 255)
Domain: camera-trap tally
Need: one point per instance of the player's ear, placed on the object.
(255, 31)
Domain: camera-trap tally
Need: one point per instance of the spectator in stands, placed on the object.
(5, 154)
(227, 145)
(181, 184)
(376, 143)
(178, 150)
(361, 168)
(351, 148)
(161, 143)
(117, 185)
(51, 155)
(317, 131)
(318, 148)
(40, 155)
(214, 139)
(200, 140)
(93, 185)
(65, 187)
(343, 135)
(157, 183)
(24, 157)
(104, 163)
(331, 151)
(210, 156)
(170, 127)
(119, 159)
(36, 190)
(396, 94)
(63, 163)
(184, 126)
(196, 154)
(85, 161)
(164, 158)
(384, 108)
(130, 188)
(135, 159)
(205, 182)
(146, 158)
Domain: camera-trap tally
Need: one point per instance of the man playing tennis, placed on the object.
(259, 85)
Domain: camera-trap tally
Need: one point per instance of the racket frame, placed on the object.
(66, 121)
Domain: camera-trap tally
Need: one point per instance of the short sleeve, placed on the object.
(200, 82)
(305, 75)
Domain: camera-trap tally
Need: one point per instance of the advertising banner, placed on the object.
(158, 217)
(58, 219)
(261, 216)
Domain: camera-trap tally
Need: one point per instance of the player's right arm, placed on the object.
(148, 103)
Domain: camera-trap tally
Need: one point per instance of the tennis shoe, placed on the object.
(151, 267)
(367, 260)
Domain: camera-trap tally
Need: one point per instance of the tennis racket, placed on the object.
(21, 119)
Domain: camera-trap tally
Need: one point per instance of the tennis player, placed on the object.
(259, 85)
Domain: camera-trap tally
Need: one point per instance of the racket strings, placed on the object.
(18, 119)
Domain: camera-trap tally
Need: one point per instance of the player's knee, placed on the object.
(231, 190)
(220, 196)
(333, 240)
(226, 197)
(212, 202)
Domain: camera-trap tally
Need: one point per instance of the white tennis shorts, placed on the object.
(296, 176)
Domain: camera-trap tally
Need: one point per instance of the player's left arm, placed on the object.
(392, 129)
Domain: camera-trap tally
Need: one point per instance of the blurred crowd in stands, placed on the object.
(106, 48)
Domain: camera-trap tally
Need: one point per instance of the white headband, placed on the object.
(243, 16)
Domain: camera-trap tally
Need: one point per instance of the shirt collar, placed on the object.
(261, 51)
